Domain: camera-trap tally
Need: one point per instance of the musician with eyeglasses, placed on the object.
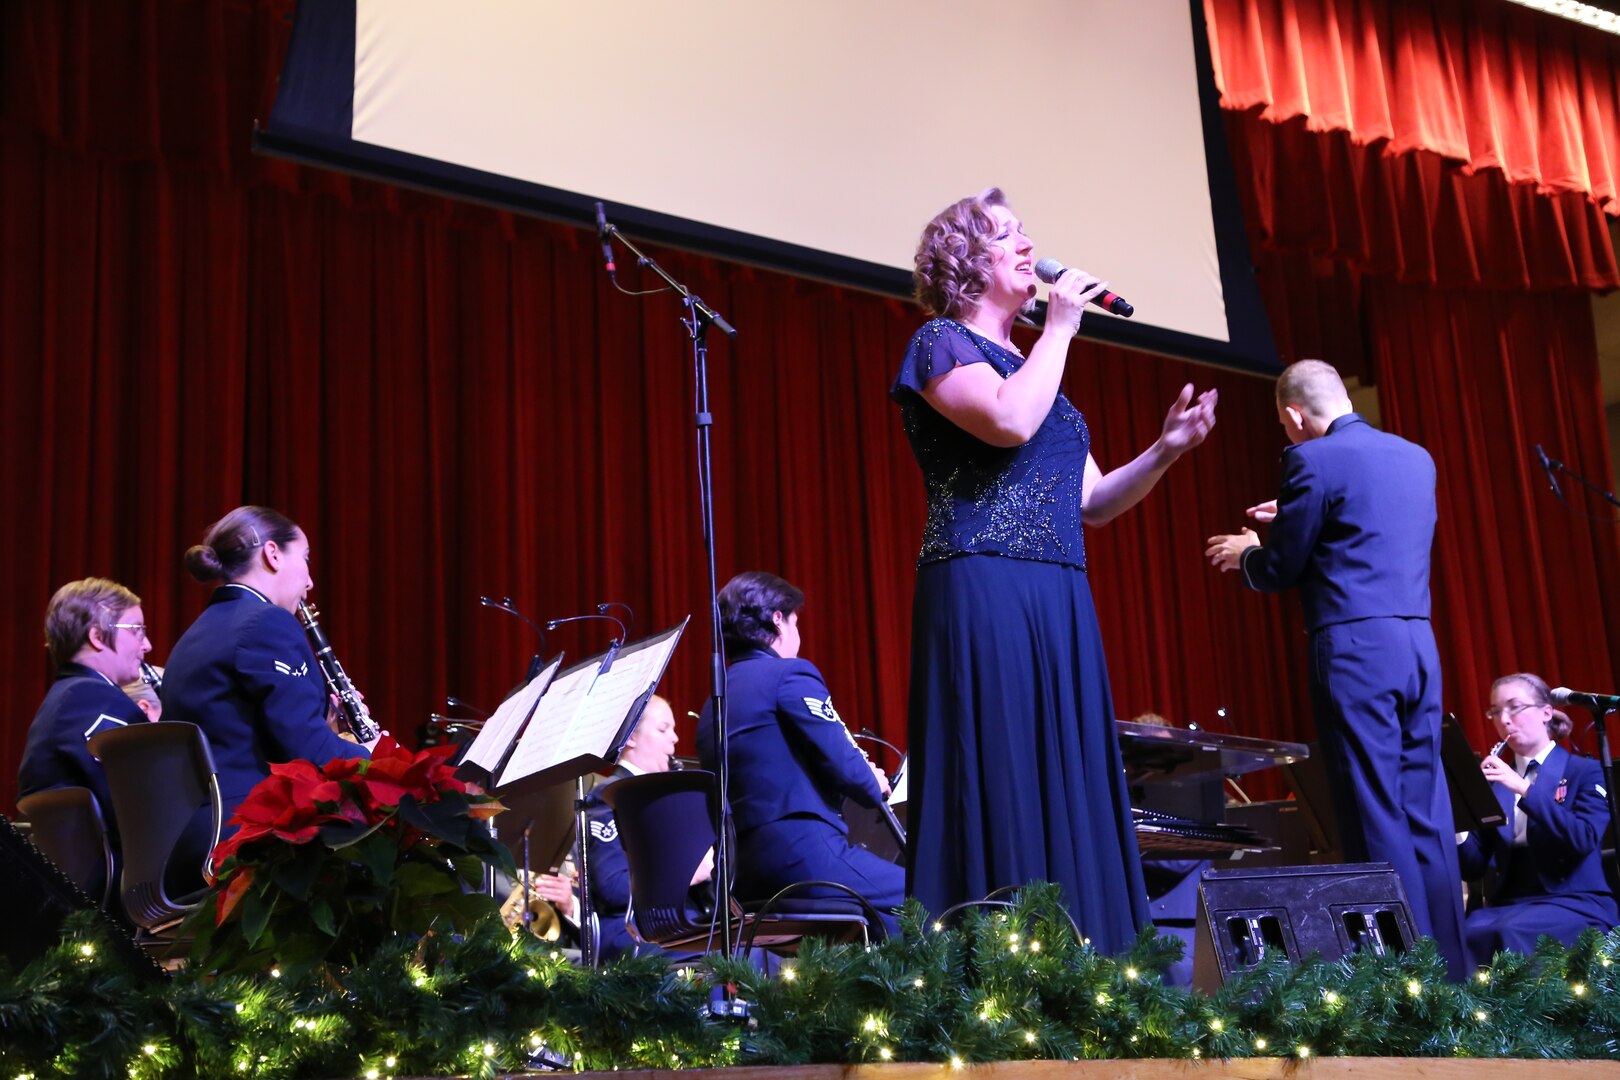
(244, 671)
(95, 633)
(1543, 866)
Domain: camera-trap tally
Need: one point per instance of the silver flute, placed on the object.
(337, 680)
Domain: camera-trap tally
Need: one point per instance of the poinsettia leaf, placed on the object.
(320, 913)
(418, 879)
(257, 905)
(377, 853)
(296, 876)
(435, 820)
(341, 834)
(469, 868)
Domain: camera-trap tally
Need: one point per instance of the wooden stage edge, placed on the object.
(1342, 1068)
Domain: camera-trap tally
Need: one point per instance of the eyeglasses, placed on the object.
(1497, 712)
(136, 628)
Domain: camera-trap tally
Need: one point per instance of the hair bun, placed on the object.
(203, 562)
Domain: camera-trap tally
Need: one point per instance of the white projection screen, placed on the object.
(811, 138)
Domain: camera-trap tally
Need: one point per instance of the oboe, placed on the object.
(337, 680)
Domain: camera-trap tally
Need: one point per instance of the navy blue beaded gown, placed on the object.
(1014, 766)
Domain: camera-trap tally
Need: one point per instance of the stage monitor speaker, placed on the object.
(38, 898)
(1246, 916)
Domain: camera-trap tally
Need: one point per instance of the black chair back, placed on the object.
(160, 776)
(66, 824)
(665, 828)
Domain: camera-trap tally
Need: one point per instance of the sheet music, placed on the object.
(496, 734)
(545, 733)
(584, 708)
(897, 790)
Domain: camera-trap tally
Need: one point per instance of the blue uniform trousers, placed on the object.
(1375, 690)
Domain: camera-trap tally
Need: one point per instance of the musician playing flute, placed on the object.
(244, 671)
(792, 760)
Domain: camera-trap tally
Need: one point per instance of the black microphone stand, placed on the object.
(697, 319)
(1599, 715)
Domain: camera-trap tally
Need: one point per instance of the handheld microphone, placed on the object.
(603, 235)
(1563, 695)
(1547, 467)
(1049, 270)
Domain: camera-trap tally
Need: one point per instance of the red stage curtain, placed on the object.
(1520, 582)
(1493, 85)
(454, 402)
(1413, 217)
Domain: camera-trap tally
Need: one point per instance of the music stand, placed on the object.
(577, 724)
(1474, 806)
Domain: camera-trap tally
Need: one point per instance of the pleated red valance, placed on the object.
(1483, 82)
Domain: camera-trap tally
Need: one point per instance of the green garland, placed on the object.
(1013, 985)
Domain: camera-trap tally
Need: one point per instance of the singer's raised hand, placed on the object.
(1189, 423)
(1264, 512)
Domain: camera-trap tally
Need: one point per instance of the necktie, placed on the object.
(1520, 822)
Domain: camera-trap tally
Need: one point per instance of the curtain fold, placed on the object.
(1493, 86)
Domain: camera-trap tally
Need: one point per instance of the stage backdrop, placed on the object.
(454, 402)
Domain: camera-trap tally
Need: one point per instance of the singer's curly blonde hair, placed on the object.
(952, 267)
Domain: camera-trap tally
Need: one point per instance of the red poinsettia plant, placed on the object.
(329, 861)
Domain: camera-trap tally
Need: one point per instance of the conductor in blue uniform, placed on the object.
(244, 672)
(96, 635)
(1542, 868)
(792, 760)
(1352, 528)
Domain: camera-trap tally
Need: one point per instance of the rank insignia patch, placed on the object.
(823, 710)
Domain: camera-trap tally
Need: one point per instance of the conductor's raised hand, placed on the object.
(1265, 512)
(1189, 422)
(1066, 303)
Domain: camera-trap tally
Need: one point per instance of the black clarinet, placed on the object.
(337, 680)
(150, 676)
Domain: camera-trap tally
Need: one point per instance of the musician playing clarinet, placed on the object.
(792, 760)
(244, 671)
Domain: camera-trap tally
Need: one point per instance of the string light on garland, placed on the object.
(1578, 989)
(1260, 1044)
(1414, 988)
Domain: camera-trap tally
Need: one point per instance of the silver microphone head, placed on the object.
(1049, 270)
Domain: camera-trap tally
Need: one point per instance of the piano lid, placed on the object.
(1163, 753)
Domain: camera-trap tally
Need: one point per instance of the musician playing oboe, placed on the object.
(792, 759)
(244, 671)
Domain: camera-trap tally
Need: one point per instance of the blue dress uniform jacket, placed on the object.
(79, 704)
(244, 673)
(792, 761)
(1554, 884)
(1355, 523)
(791, 754)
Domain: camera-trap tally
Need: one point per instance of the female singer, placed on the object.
(1014, 762)
(244, 672)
